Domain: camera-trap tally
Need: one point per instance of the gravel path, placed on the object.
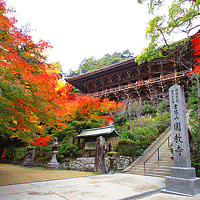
(11, 174)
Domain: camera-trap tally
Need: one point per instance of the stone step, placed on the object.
(168, 159)
(163, 152)
(150, 169)
(159, 163)
(162, 162)
(150, 172)
(136, 172)
(155, 164)
(158, 174)
(160, 155)
(157, 170)
(151, 162)
(164, 168)
(156, 155)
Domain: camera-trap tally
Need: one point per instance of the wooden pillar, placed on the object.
(162, 76)
(138, 92)
(139, 75)
(150, 76)
(149, 89)
(163, 90)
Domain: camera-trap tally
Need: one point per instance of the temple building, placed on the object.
(127, 79)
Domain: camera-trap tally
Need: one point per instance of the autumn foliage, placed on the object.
(31, 95)
(41, 141)
(196, 48)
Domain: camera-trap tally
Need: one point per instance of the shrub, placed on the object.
(127, 135)
(163, 121)
(43, 155)
(163, 106)
(149, 110)
(68, 150)
(20, 154)
(126, 147)
(146, 134)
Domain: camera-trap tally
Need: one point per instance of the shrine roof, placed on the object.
(95, 132)
(102, 70)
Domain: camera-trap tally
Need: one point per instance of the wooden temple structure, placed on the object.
(127, 79)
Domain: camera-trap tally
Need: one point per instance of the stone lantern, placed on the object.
(53, 164)
(29, 162)
(112, 159)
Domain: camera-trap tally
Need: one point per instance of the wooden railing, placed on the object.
(141, 83)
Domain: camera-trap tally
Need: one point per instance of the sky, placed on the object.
(80, 29)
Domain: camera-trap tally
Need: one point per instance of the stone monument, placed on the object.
(53, 164)
(183, 178)
(100, 156)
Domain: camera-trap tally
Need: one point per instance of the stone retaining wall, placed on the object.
(123, 162)
(88, 164)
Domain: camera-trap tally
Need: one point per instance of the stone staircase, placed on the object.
(156, 160)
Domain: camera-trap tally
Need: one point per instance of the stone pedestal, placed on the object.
(183, 185)
(183, 181)
(53, 164)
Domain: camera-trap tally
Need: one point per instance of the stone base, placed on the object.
(53, 165)
(181, 172)
(184, 186)
(28, 163)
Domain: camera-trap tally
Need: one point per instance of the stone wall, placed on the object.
(88, 164)
(123, 162)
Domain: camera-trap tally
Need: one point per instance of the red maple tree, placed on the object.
(31, 96)
(41, 141)
(196, 48)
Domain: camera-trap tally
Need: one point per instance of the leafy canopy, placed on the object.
(91, 63)
(32, 97)
(183, 17)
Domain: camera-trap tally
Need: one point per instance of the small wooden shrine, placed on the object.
(90, 136)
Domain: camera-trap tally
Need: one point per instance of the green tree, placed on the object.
(183, 17)
(193, 126)
(92, 63)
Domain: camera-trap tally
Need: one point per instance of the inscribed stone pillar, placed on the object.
(183, 178)
(100, 156)
(179, 127)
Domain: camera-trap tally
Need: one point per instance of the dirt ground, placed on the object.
(12, 174)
